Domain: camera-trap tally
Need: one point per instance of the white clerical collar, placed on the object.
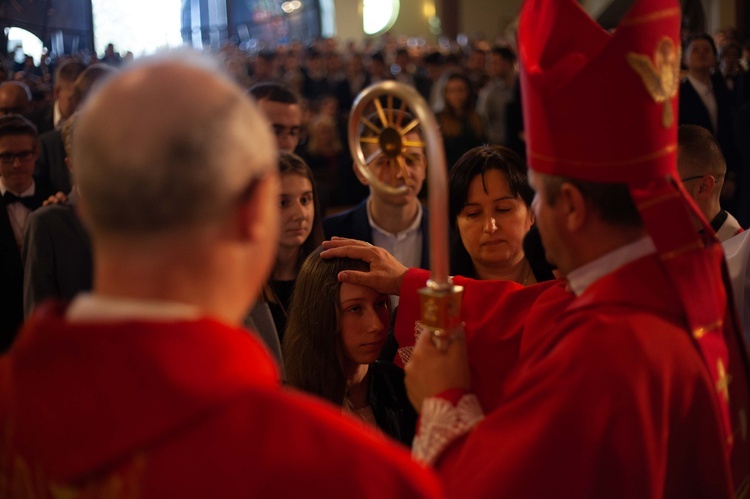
(413, 227)
(582, 277)
(88, 307)
(28, 192)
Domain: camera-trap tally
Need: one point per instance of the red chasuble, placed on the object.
(494, 315)
(176, 409)
(609, 396)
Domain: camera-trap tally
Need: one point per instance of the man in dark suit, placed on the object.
(397, 223)
(705, 101)
(50, 165)
(19, 148)
(282, 109)
(56, 248)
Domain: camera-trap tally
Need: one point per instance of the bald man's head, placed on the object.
(168, 144)
(15, 98)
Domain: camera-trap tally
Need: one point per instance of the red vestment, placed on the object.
(176, 409)
(609, 396)
(494, 315)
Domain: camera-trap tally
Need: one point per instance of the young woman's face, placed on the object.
(364, 322)
(297, 210)
(456, 93)
(493, 224)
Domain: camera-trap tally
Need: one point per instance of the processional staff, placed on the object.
(440, 300)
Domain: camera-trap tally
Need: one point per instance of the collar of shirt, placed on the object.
(89, 307)
(699, 86)
(581, 278)
(401, 235)
(28, 192)
(56, 114)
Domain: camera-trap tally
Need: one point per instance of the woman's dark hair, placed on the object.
(470, 99)
(289, 164)
(313, 352)
(451, 121)
(478, 161)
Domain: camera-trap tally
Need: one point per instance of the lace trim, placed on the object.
(405, 352)
(441, 423)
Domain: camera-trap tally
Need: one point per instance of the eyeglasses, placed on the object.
(695, 177)
(8, 158)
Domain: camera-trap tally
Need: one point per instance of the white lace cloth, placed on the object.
(440, 423)
(405, 352)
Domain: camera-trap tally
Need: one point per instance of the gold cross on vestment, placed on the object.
(722, 384)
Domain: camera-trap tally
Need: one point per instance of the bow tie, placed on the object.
(28, 201)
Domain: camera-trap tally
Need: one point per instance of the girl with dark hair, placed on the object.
(490, 214)
(301, 233)
(334, 337)
(460, 124)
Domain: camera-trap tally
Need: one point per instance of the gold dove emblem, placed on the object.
(660, 77)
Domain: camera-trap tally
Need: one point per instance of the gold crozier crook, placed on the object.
(440, 300)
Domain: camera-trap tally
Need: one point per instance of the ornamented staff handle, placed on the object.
(440, 300)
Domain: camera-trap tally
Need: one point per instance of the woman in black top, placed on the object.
(301, 233)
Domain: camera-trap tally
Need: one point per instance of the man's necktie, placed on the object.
(27, 201)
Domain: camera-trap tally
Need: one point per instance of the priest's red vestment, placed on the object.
(176, 409)
(607, 394)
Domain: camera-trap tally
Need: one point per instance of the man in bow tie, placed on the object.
(19, 148)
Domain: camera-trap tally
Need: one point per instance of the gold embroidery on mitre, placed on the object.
(660, 77)
(722, 384)
(609, 162)
(700, 332)
(654, 16)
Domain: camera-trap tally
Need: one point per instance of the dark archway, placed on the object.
(64, 26)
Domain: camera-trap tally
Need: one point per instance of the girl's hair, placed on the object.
(313, 352)
(450, 120)
(479, 161)
(290, 163)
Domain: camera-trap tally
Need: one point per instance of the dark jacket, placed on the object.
(387, 396)
(354, 224)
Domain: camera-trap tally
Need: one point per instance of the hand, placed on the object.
(433, 370)
(386, 273)
(58, 198)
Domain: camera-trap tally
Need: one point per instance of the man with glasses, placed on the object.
(283, 110)
(702, 169)
(19, 148)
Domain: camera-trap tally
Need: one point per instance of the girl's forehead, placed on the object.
(349, 291)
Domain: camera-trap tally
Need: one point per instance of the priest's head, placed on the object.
(173, 189)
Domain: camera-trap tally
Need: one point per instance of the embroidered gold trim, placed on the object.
(660, 77)
(722, 384)
(658, 200)
(623, 162)
(679, 251)
(700, 332)
(654, 16)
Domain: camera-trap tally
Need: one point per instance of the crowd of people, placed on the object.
(214, 302)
